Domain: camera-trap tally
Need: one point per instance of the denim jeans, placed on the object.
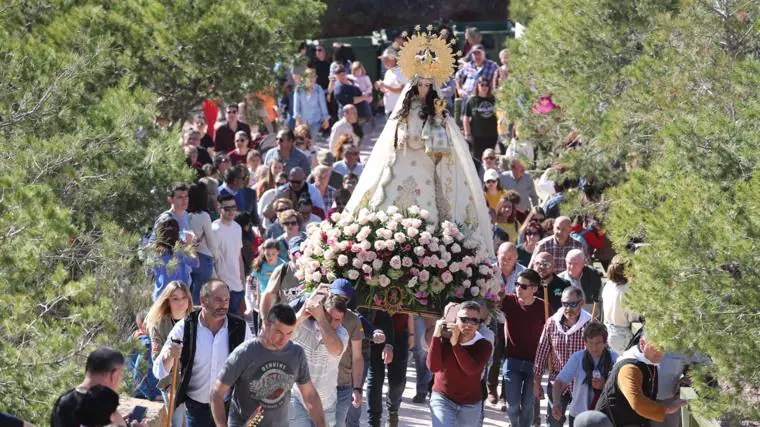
(345, 397)
(498, 353)
(420, 357)
(298, 416)
(198, 414)
(236, 301)
(355, 414)
(178, 416)
(446, 413)
(565, 401)
(201, 275)
(518, 389)
(396, 378)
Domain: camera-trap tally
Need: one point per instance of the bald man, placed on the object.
(558, 244)
(582, 276)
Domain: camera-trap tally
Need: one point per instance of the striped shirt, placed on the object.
(323, 367)
(550, 244)
(561, 341)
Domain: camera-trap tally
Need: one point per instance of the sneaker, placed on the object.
(419, 398)
(392, 419)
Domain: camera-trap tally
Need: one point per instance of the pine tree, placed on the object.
(664, 97)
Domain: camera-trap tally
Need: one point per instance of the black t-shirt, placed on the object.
(482, 113)
(65, 409)
(204, 157)
(7, 420)
(523, 256)
(207, 142)
(323, 72)
(556, 286)
(345, 94)
(224, 140)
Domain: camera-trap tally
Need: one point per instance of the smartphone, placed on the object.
(138, 414)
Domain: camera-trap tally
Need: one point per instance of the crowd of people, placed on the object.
(249, 347)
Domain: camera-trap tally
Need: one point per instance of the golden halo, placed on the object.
(428, 56)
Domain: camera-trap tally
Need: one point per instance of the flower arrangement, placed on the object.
(398, 261)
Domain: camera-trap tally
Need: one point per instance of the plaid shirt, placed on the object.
(329, 198)
(561, 345)
(469, 74)
(549, 244)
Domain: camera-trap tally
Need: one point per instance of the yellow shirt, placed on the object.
(493, 201)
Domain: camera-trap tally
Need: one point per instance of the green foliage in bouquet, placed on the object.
(398, 261)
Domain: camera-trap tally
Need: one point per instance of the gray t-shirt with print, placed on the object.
(262, 377)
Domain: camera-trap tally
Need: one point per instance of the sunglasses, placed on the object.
(469, 320)
(571, 304)
(229, 208)
(542, 264)
(287, 223)
(523, 286)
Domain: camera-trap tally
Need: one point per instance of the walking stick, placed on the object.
(593, 311)
(172, 390)
(546, 319)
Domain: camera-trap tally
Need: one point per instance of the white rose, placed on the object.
(384, 280)
(391, 225)
(329, 254)
(392, 210)
(335, 217)
(466, 283)
(455, 248)
(390, 245)
(447, 240)
(316, 276)
(413, 210)
(441, 263)
(356, 262)
(395, 262)
(419, 251)
(351, 229)
(399, 237)
(407, 262)
(412, 232)
(343, 245)
(412, 282)
(379, 245)
(353, 274)
(454, 267)
(366, 245)
(424, 214)
(382, 216)
(370, 255)
(430, 228)
(484, 269)
(446, 256)
(367, 269)
(377, 264)
(474, 291)
(318, 251)
(433, 246)
(342, 260)
(468, 271)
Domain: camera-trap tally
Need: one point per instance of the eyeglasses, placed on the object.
(542, 264)
(469, 320)
(231, 111)
(524, 286)
(571, 304)
(287, 223)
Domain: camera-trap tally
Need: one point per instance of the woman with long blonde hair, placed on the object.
(172, 305)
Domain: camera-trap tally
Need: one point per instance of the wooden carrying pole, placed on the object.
(593, 311)
(172, 392)
(546, 319)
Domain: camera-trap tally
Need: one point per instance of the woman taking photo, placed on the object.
(263, 266)
(205, 242)
(171, 306)
(480, 124)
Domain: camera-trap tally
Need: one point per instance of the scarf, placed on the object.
(605, 366)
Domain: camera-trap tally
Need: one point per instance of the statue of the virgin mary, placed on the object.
(421, 157)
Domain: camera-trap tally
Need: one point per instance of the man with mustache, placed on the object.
(201, 343)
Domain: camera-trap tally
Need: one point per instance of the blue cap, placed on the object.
(343, 288)
(294, 244)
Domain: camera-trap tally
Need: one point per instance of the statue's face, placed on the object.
(423, 87)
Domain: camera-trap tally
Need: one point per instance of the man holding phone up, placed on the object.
(458, 353)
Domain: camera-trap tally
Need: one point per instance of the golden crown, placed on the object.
(426, 55)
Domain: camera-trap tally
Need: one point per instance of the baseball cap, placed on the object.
(343, 288)
(294, 244)
(389, 53)
(491, 175)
